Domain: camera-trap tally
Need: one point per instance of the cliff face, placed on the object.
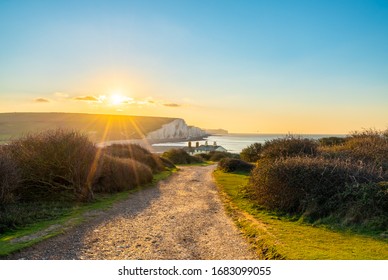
(177, 129)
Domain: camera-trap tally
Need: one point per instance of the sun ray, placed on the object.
(93, 168)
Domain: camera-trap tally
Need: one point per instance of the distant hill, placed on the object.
(97, 127)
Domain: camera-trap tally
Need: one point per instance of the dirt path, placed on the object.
(181, 218)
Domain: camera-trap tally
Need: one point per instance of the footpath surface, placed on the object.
(181, 218)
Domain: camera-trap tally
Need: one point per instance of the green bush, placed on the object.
(363, 204)
(9, 178)
(136, 152)
(288, 147)
(54, 164)
(314, 187)
(119, 174)
(180, 156)
(252, 152)
(232, 165)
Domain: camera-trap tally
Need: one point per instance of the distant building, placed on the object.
(198, 149)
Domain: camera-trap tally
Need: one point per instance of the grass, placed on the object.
(61, 216)
(278, 237)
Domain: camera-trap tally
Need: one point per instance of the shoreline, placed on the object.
(148, 143)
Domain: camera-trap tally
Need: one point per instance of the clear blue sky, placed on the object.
(247, 66)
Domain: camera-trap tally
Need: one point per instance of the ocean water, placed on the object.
(234, 143)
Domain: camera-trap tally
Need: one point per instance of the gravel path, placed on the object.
(181, 218)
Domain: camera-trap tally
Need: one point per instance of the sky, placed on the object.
(245, 66)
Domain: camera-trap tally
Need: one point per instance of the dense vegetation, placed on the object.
(216, 156)
(252, 152)
(137, 153)
(234, 164)
(341, 181)
(59, 166)
(180, 156)
(275, 236)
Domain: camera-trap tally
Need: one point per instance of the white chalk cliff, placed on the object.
(177, 129)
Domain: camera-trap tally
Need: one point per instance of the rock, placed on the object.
(177, 129)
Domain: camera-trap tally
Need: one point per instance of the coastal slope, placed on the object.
(98, 127)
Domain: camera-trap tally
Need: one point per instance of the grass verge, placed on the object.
(61, 216)
(276, 237)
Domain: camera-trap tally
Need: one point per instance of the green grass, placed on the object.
(277, 237)
(61, 216)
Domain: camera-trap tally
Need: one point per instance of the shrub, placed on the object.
(9, 178)
(217, 156)
(179, 156)
(252, 152)
(53, 164)
(364, 204)
(120, 174)
(136, 152)
(368, 147)
(306, 185)
(289, 146)
(167, 163)
(232, 165)
(204, 156)
(331, 141)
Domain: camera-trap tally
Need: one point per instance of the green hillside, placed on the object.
(97, 127)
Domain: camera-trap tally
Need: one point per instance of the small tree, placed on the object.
(251, 153)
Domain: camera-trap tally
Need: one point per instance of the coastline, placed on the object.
(147, 143)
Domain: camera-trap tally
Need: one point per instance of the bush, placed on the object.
(9, 178)
(364, 204)
(136, 152)
(368, 147)
(216, 156)
(179, 156)
(331, 141)
(232, 165)
(288, 147)
(252, 152)
(54, 164)
(307, 186)
(204, 156)
(120, 174)
(167, 163)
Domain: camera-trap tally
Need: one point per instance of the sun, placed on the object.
(117, 98)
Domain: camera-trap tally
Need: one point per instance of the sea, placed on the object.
(234, 142)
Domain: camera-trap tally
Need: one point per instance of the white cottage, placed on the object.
(198, 149)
